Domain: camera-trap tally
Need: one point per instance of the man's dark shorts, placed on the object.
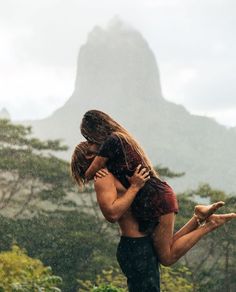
(137, 260)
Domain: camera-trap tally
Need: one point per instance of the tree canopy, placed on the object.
(29, 169)
(19, 272)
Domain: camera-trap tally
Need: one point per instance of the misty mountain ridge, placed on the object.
(118, 74)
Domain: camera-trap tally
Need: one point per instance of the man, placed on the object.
(135, 252)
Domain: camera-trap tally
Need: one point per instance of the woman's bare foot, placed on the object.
(202, 212)
(217, 220)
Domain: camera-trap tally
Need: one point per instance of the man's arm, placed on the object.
(112, 206)
(98, 163)
(110, 149)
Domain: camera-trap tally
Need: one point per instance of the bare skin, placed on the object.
(112, 205)
(169, 246)
(115, 201)
(203, 211)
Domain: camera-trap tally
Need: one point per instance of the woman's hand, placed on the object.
(101, 173)
(139, 178)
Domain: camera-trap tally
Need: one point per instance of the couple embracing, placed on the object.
(130, 192)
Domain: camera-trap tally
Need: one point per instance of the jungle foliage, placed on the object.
(46, 215)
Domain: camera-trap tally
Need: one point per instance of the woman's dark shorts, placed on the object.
(137, 260)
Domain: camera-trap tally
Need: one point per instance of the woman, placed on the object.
(135, 252)
(119, 151)
(122, 154)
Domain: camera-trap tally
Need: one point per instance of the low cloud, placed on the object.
(193, 41)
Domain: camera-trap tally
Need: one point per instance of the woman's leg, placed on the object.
(201, 213)
(170, 248)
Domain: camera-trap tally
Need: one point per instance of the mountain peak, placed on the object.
(114, 25)
(116, 62)
(118, 74)
(117, 31)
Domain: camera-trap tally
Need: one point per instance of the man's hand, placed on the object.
(139, 178)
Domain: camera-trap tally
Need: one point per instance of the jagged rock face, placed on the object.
(117, 64)
(4, 114)
(117, 73)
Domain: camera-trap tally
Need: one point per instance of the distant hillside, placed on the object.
(4, 114)
(117, 73)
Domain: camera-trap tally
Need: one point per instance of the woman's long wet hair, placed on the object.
(79, 163)
(97, 126)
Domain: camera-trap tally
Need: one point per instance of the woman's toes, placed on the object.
(205, 211)
(218, 220)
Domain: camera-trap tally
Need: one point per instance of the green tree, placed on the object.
(19, 272)
(166, 172)
(172, 279)
(29, 171)
(212, 260)
(70, 242)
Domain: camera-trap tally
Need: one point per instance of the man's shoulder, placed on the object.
(104, 182)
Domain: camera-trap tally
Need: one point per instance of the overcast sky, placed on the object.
(194, 42)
